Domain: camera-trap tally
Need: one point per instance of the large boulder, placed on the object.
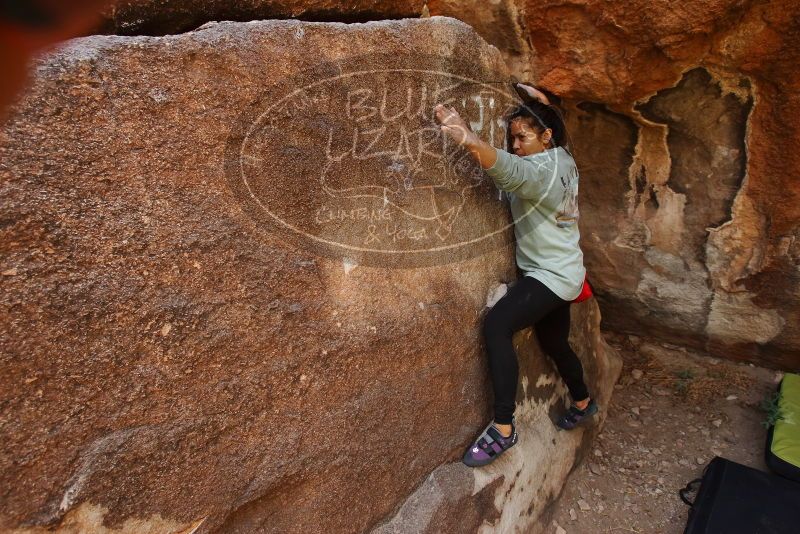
(244, 278)
(682, 117)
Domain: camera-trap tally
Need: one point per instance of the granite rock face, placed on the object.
(682, 117)
(243, 285)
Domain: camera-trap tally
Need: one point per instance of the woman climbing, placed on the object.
(541, 181)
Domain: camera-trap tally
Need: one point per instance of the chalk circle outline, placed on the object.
(237, 144)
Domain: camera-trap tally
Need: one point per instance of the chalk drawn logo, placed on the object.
(351, 162)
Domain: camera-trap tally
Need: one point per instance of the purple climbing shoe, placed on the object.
(489, 445)
(574, 416)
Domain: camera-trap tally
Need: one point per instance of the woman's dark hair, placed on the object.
(541, 117)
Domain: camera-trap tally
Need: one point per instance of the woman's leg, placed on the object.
(526, 302)
(552, 331)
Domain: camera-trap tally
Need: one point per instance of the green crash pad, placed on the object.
(783, 442)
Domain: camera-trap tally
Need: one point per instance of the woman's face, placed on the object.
(525, 140)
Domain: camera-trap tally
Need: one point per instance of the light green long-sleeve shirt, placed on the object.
(543, 195)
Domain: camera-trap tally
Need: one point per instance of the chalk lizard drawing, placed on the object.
(409, 175)
(405, 166)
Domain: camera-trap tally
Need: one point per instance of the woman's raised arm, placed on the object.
(454, 126)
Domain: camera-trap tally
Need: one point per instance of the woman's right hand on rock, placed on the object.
(453, 125)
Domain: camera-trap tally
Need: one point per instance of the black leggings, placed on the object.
(529, 303)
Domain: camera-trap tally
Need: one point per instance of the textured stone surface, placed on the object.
(176, 361)
(159, 17)
(499, 22)
(683, 120)
(705, 251)
(660, 227)
(618, 53)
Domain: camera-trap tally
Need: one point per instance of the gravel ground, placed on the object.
(671, 413)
